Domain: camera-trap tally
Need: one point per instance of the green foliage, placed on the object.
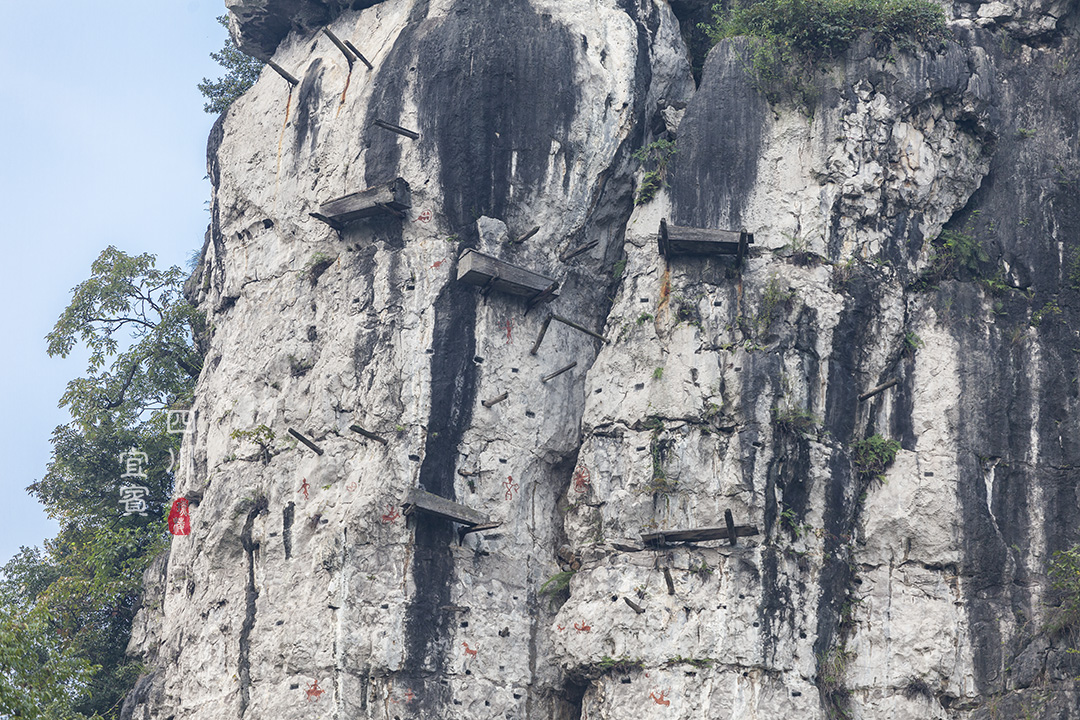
(832, 670)
(695, 662)
(644, 318)
(702, 569)
(1064, 572)
(619, 664)
(658, 373)
(655, 158)
(241, 73)
(871, 456)
(795, 421)
(1025, 133)
(618, 269)
(774, 301)
(1050, 309)
(557, 583)
(126, 298)
(955, 252)
(791, 38)
(261, 435)
(1072, 270)
(319, 263)
(66, 610)
(912, 342)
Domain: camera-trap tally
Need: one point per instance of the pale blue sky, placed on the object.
(104, 143)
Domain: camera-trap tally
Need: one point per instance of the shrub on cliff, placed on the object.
(791, 37)
(242, 72)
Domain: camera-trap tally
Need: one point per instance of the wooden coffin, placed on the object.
(389, 199)
(475, 268)
(419, 500)
(696, 535)
(677, 240)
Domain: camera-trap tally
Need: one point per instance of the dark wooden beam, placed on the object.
(389, 198)
(540, 337)
(438, 506)
(367, 434)
(307, 442)
(397, 129)
(696, 535)
(570, 254)
(282, 72)
(340, 45)
(559, 372)
(582, 328)
(463, 531)
(359, 55)
(494, 401)
(476, 268)
(733, 536)
(669, 581)
(879, 389)
(526, 236)
(634, 606)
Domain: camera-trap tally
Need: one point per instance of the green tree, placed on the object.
(241, 73)
(66, 611)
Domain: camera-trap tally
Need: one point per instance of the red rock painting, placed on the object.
(391, 514)
(582, 478)
(660, 700)
(582, 627)
(304, 488)
(314, 691)
(510, 486)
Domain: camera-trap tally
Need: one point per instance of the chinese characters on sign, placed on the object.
(131, 496)
(177, 421)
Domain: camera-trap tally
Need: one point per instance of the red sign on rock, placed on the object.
(179, 519)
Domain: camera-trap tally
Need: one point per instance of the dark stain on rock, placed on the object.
(306, 119)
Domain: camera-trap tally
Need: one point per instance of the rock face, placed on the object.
(916, 592)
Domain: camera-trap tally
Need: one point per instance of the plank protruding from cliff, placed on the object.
(666, 537)
(392, 198)
(419, 500)
(475, 268)
(676, 240)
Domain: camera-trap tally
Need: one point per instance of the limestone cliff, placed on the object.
(302, 591)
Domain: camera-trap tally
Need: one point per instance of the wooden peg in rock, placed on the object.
(570, 254)
(540, 337)
(879, 389)
(340, 45)
(669, 581)
(634, 606)
(282, 72)
(397, 129)
(494, 401)
(359, 54)
(526, 236)
(304, 440)
(582, 328)
(559, 372)
(730, 522)
(371, 435)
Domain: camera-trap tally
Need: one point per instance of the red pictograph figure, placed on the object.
(469, 651)
(314, 691)
(409, 697)
(179, 519)
(582, 627)
(437, 263)
(509, 333)
(424, 217)
(660, 700)
(391, 514)
(351, 486)
(561, 627)
(581, 478)
(511, 487)
(304, 488)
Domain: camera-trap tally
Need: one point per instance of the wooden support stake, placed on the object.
(340, 45)
(365, 433)
(570, 254)
(582, 328)
(543, 296)
(557, 373)
(359, 55)
(879, 389)
(282, 72)
(526, 236)
(462, 532)
(634, 606)
(467, 473)
(495, 401)
(540, 337)
(730, 522)
(669, 581)
(307, 442)
(397, 129)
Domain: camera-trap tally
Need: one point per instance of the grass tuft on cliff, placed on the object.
(792, 37)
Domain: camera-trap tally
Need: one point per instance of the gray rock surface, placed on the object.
(302, 590)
